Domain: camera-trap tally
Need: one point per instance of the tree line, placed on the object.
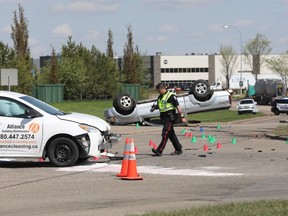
(85, 73)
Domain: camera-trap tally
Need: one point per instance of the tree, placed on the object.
(20, 36)
(228, 61)
(279, 65)
(133, 62)
(54, 68)
(50, 72)
(254, 52)
(110, 44)
(7, 56)
(73, 70)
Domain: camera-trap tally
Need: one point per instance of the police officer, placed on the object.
(167, 104)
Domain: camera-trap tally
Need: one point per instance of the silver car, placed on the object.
(200, 98)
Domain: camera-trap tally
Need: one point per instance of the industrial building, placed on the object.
(185, 69)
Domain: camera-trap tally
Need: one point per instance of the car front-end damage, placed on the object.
(95, 141)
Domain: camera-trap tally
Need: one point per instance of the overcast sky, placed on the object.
(173, 27)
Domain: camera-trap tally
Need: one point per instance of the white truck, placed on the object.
(30, 128)
(199, 99)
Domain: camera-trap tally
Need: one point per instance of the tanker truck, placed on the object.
(268, 89)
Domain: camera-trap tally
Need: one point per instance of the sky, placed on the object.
(172, 27)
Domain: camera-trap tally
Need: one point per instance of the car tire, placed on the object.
(201, 90)
(240, 113)
(63, 152)
(254, 113)
(276, 112)
(124, 104)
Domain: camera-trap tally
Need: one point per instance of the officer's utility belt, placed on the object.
(171, 115)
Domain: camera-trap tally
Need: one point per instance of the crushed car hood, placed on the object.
(93, 121)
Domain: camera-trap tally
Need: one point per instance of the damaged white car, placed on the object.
(30, 128)
(200, 98)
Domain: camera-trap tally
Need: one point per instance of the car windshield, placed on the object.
(246, 102)
(42, 105)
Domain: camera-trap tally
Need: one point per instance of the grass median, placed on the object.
(257, 208)
(97, 107)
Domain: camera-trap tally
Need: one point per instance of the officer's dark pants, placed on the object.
(168, 132)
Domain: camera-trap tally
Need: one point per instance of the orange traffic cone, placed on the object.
(155, 146)
(219, 145)
(151, 143)
(124, 168)
(132, 173)
(205, 148)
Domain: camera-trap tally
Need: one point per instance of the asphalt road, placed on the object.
(253, 168)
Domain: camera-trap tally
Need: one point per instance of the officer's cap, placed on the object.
(160, 85)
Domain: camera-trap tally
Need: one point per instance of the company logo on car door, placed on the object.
(34, 127)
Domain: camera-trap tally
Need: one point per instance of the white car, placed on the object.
(247, 106)
(31, 128)
(200, 98)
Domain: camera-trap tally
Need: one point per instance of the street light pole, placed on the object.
(233, 27)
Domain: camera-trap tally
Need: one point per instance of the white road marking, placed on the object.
(156, 170)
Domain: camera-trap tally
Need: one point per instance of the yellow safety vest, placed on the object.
(162, 103)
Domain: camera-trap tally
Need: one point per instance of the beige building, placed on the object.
(185, 69)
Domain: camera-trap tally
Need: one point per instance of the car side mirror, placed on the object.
(31, 113)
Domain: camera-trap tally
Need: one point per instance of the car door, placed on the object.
(20, 135)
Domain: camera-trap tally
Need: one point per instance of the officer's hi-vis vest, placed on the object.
(162, 103)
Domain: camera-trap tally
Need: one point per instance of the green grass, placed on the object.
(97, 107)
(257, 208)
(281, 130)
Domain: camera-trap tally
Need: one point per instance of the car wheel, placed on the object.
(63, 152)
(254, 113)
(201, 90)
(276, 112)
(240, 113)
(124, 104)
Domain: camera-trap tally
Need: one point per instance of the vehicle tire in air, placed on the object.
(63, 152)
(124, 104)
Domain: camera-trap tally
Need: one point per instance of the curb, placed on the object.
(273, 136)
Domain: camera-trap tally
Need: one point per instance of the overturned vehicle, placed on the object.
(200, 98)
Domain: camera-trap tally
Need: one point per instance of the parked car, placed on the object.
(31, 128)
(125, 110)
(247, 106)
(280, 105)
